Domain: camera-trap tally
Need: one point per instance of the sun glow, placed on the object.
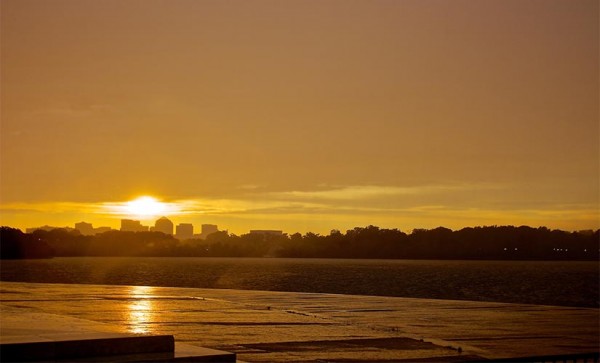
(145, 206)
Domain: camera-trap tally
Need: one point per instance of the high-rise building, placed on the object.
(85, 228)
(164, 225)
(99, 230)
(208, 229)
(184, 231)
(130, 225)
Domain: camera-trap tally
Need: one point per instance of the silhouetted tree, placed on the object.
(15, 244)
(488, 242)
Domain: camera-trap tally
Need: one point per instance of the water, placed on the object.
(532, 282)
(306, 327)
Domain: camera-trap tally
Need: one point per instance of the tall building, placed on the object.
(184, 231)
(130, 225)
(164, 225)
(102, 230)
(85, 228)
(208, 229)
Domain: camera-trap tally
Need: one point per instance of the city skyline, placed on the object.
(187, 229)
(162, 224)
(301, 116)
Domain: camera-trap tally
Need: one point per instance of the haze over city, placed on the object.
(300, 115)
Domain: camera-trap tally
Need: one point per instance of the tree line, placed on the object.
(490, 242)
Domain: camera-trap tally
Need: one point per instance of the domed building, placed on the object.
(164, 225)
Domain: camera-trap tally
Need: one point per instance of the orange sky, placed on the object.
(302, 115)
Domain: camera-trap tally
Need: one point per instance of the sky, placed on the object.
(301, 115)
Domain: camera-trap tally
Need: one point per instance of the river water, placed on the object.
(531, 282)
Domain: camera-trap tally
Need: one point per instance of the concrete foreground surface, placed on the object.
(301, 327)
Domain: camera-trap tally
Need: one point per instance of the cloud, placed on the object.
(250, 186)
(346, 199)
(51, 207)
(342, 207)
(364, 192)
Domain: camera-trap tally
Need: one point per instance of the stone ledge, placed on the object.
(81, 345)
(101, 347)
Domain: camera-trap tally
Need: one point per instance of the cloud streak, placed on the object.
(362, 192)
(426, 206)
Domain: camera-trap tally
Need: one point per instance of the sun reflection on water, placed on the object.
(140, 309)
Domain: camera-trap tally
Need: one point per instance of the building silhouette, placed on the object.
(85, 228)
(208, 229)
(98, 230)
(130, 225)
(164, 225)
(184, 231)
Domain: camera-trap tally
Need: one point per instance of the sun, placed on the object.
(145, 206)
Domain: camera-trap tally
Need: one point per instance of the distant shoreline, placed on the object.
(478, 243)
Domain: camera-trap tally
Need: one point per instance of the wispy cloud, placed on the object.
(52, 207)
(340, 207)
(355, 192)
(317, 201)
